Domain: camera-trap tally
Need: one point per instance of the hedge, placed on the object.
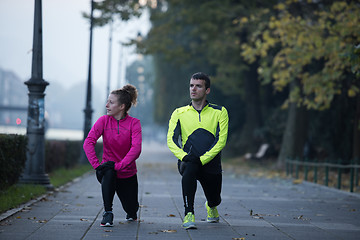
(64, 154)
(12, 158)
(58, 154)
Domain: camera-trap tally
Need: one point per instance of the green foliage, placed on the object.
(188, 37)
(64, 154)
(140, 74)
(12, 158)
(107, 10)
(64, 175)
(318, 47)
(331, 130)
(253, 51)
(19, 194)
(58, 155)
(61, 154)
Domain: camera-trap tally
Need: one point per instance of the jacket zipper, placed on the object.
(118, 127)
(199, 113)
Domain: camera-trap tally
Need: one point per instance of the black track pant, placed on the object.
(211, 184)
(125, 188)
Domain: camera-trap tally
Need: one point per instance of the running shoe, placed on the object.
(189, 221)
(107, 220)
(131, 219)
(212, 214)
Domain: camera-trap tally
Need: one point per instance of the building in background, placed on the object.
(13, 100)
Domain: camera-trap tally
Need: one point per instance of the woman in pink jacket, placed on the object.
(122, 139)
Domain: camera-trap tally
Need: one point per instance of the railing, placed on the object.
(307, 166)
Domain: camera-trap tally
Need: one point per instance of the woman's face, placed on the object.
(113, 108)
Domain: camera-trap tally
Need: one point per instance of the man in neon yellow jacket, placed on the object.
(197, 133)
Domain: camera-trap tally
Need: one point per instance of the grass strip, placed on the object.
(21, 193)
(63, 175)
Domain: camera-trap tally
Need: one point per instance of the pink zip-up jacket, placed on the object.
(121, 143)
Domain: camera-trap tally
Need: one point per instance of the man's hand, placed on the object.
(192, 159)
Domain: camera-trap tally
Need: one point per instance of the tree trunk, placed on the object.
(253, 120)
(295, 133)
(356, 141)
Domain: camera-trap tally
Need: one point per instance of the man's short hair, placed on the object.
(202, 76)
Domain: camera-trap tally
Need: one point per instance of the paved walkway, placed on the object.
(252, 208)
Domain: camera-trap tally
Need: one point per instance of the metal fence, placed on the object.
(307, 166)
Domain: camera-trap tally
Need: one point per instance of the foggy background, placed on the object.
(65, 63)
(298, 95)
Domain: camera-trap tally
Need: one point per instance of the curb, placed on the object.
(28, 204)
(13, 211)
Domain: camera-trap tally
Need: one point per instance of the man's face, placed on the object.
(198, 91)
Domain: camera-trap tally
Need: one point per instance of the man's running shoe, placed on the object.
(212, 214)
(131, 219)
(189, 221)
(107, 220)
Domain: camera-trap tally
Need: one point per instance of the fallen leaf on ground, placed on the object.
(5, 223)
(26, 209)
(42, 221)
(171, 215)
(258, 216)
(297, 181)
(168, 231)
(301, 217)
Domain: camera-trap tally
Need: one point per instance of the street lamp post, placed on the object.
(34, 172)
(109, 59)
(88, 110)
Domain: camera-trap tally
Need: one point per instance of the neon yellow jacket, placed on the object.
(202, 134)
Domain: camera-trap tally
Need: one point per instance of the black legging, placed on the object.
(211, 184)
(125, 188)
